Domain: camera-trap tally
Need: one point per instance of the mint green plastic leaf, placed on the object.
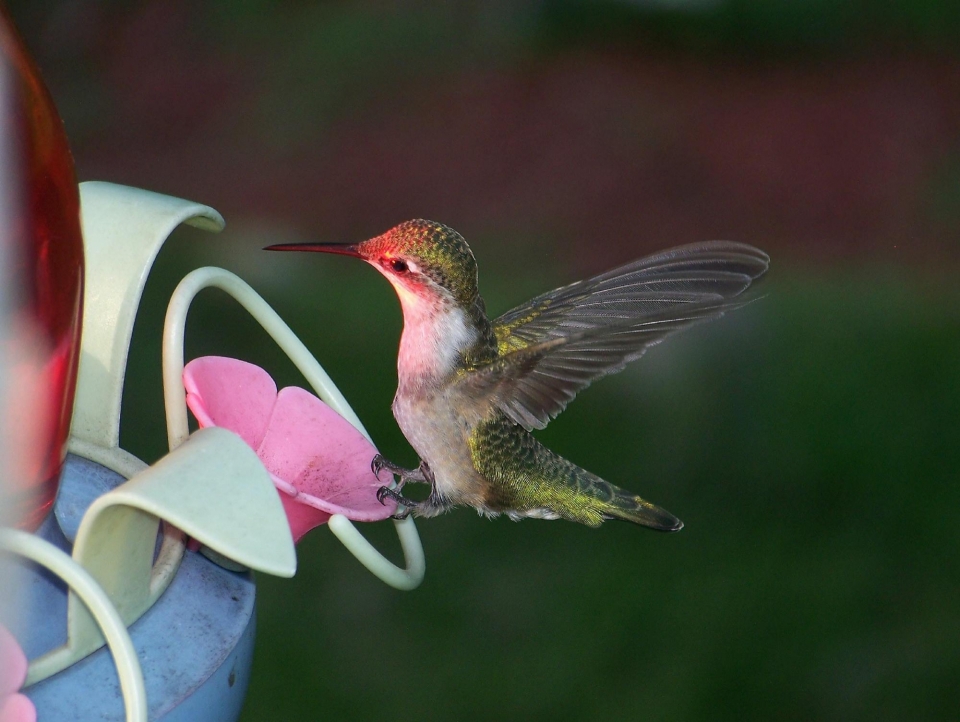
(123, 230)
(214, 488)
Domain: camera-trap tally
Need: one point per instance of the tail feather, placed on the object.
(526, 479)
(595, 500)
(630, 507)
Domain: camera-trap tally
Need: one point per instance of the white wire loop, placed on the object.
(86, 588)
(176, 409)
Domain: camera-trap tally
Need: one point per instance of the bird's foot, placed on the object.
(427, 474)
(379, 463)
(385, 492)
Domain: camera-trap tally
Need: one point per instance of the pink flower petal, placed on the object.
(302, 518)
(318, 461)
(311, 446)
(17, 708)
(13, 671)
(230, 393)
(13, 663)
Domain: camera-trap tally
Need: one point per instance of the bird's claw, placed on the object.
(379, 463)
(385, 492)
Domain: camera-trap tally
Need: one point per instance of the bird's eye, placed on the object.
(399, 265)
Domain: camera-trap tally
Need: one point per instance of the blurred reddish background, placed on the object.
(344, 120)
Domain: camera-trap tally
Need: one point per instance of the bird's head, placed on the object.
(423, 260)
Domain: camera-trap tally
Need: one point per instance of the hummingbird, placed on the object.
(471, 390)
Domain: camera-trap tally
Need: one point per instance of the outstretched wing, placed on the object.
(559, 342)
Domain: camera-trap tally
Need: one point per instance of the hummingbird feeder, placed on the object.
(119, 618)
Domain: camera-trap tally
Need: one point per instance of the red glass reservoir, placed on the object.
(43, 276)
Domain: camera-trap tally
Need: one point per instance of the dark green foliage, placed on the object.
(755, 27)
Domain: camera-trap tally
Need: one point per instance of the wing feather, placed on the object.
(559, 342)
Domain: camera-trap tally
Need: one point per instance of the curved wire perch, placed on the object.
(373, 560)
(297, 352)
(86, 588)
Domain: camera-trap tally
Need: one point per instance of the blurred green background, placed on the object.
(809, 442)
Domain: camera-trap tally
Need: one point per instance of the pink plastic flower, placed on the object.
(318, 461)
(14, 707)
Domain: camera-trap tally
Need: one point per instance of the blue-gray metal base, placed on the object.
(195, 645)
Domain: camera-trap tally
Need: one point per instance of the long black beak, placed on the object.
(344, 249)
